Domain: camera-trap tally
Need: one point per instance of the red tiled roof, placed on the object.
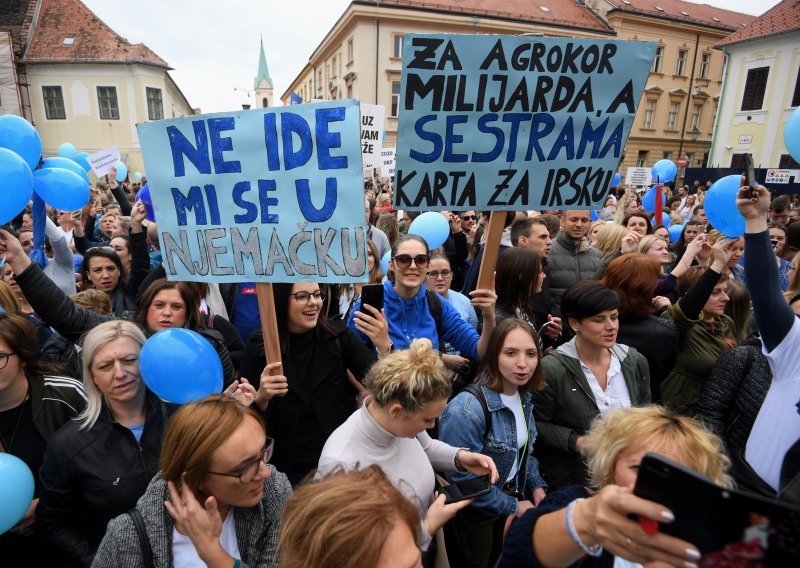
(686, 11)
(93, 40)
(781, 18)
(562, 13)
(15, 18)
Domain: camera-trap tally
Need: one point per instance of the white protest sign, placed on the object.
(371, 134)
(638, 176)
(388, 162)
(104, 160)
(778, 176)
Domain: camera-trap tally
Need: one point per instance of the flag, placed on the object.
(295, 99)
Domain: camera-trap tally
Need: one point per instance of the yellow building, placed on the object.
(761, 90)
(677, 110)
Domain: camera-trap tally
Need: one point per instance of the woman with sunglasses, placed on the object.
(408, 308)
(313, 396)
(216, 501)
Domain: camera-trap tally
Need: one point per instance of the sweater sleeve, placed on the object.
(140, 263)
(458, 332)
(442, 456)
(697, 296)
(722, 388)
(82, 244)
(120, 547)
(125, 206)
(774, 316)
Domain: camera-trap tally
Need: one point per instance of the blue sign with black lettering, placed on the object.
(263, 195)
(513, 122)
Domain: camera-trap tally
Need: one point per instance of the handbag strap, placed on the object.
(144, 542)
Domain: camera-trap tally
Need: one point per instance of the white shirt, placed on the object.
(616, 394)
(184, 554)
(514, 404)
(777, 425)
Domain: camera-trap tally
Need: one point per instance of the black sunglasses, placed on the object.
(404, 260)
(469, 218)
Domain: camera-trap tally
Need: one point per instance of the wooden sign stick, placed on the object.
(269, 325)
(491, 250)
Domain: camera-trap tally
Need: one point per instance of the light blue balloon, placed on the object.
(83, 160)
(791, 135)
(721, 210)
(431, 226)
(144, 196)
(67, 150)
(616, 181)
(122, 171)
(65, 164)
(385, 262)
(664, 171)
(665, 220)
(16, 186)
(16, 490)
(137, 175)
(61, 188)
(675, 232)
(19, 136)
(593, 215)
(649, 200)
(180, 366)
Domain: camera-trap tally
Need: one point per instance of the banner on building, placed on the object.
(512, 122)
(372, 117)
(387, 162)
(261, 195)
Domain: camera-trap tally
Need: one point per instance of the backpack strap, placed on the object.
(144, 542)
(435, 307)
(475, 390)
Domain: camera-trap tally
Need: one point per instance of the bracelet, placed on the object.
(382, 353)
(457, 461)
(595, 550)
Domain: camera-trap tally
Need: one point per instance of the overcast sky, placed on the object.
(213, 44)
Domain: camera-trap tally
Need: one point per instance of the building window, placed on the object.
(349, 50)
(656, 68)
(107, 101)
(666, 155)
(54, 103)
(641, 159)
(689, 158)
(155, 106)
(737, 161)
(397, 45)
(672, 117)
(696, 112)
(349, 91)
(754, 88)
(705, 63)
(333, 66)
(796, 95)
(319, 80)
(395, 98)
(680, 67)
(649, 111)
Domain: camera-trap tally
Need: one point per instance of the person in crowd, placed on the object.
(734, 268)
(409, 309)
(779, 210)
(793, 279)
(471, 280)
(594, 228)
(609, 241)
(688, 208)
(589, 375)
(59, 266)
(740, 309)
(571, 257)
(778, 237)
(656, 248)
(8, 301)
(65, 225)
(609, 208)
(345, 295)
(699, 215)
(792, 246)
(634, 278)
(662, 232)
(639, 222)
(509, 372)
(533, 233)
(312, 396)
(691, 229)
(387, 222)
(375, 234)
(93, 300)
(629, 203)
(408, 391)
(673, 203)
(35, 401)
(706, 332)
(324, 525)
(469, 224)
(456, 248)
(216, 500)
(208, 299)
(615, 446)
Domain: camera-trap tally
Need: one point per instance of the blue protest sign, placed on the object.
(261, 195)
(512, 122)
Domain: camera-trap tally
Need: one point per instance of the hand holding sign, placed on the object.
(271, 385)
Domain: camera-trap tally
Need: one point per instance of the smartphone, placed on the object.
(372, 295)
(750, 174)
(467, 489)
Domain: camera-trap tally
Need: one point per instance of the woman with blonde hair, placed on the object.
(8, 301)
(324, 525)
(609, 240)
(628, 203)
(408, 390)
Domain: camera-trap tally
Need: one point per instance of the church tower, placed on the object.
(263, 82)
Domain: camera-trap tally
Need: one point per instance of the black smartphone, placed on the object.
(750, 174)
(467, 489)
(372, 295)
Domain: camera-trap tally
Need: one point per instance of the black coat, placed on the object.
(91, 476)
(655, 338)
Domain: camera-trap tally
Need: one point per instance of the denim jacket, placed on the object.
(462, 425)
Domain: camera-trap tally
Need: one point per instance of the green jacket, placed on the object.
(702, 344)
(565, 408)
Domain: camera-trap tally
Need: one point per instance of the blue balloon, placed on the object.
(431, 226)
(137, 175)
(19, 136)
(16, 490)
(664, 171)
(65, 164)
(649, 199)
(675, 232)
(144, 196)
(16, 186)
(61, 188)
(67, 150)
(593, 215)
(122, 171)
(791, 135)
(83, 160)
(616, 181)
(180, 366)
(385, 262)
(665, 220)
(721, 210)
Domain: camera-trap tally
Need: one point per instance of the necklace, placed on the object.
(7, 446)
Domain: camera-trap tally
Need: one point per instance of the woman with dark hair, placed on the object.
(691, 229)
(313, 396)
(589, 375)
(515, 268)
(638, 222)
(509, 372)
(778, 235)
(634, 277)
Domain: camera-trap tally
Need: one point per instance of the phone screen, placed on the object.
(372, 295)
(467, 489)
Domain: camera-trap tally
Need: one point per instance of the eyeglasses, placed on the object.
(4, 359)
(404, 260)
(304, 297)
(248, 471)
(469, 218)
(443, 273)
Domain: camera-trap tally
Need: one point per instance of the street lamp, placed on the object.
(695, 134)
(245, 106)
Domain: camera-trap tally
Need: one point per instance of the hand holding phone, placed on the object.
(467, 489)
(750, 175)
(372, 295)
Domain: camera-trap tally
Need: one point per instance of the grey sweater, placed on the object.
(257, 529)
